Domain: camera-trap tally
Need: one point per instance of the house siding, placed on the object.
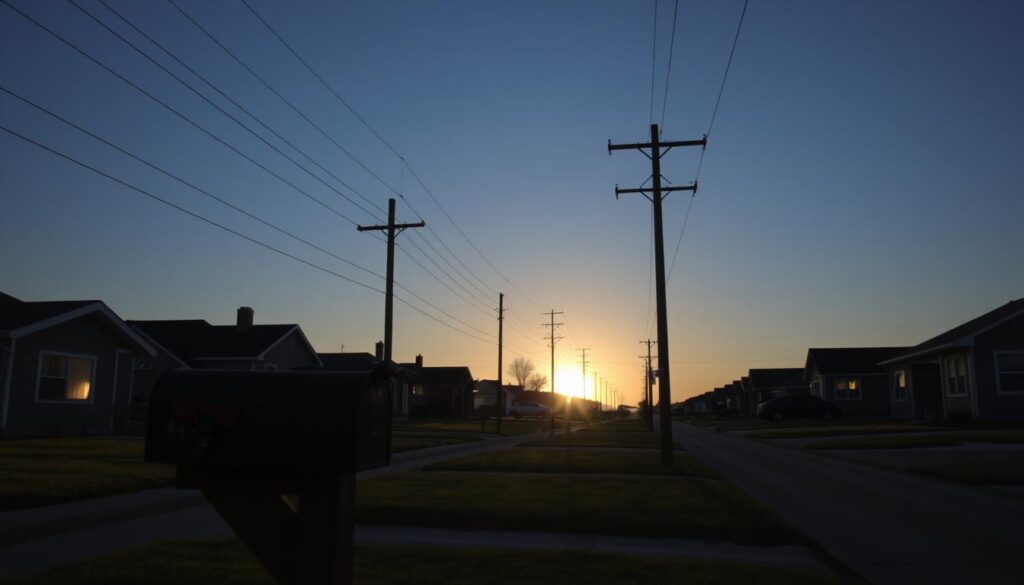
(82, 336)
(290, 353)
(992, 405)
(874, 394)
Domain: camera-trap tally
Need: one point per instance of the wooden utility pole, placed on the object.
(648, 391)
(499, 395)
(553, 338)
(392, 229)
(656, 190)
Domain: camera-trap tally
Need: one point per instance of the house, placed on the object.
(748, 404)
(406, 382)
(485, 394)
(65, 367)
(196, 344)
(768, 383)
(851, 377)
(444, 391)
(974, 370)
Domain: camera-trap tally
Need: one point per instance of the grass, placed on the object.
(620, 426)
(37, 472)
(599, 438)
(509, 426)
(227, 562)
(912, 441)
(588, 461)
(1004, 472)
(839, 430)
(410, 440)
(648, 507)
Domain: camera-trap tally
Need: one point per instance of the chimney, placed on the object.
(419, 361)
(379, 351)
(244, 321)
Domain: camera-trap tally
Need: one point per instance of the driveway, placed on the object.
(889, 526)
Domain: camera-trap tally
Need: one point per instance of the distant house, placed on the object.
(445, 391)
(486, 392)
(407, 381)
(748, 402)
(975, 370)
(768, 383)
(194, 343)
(66, 367)
(851, 377)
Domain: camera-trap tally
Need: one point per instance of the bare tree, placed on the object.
(536, 382)
(520, 369)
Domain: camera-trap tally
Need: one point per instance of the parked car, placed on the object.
(521, 409)
(797, 406)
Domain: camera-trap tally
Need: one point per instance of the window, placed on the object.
(899, 386)
(956, 375)
(1010, 371)
(65, 377)
(847, 388)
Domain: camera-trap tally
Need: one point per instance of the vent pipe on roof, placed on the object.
(379, 351)
(244, 320)
(419, 361)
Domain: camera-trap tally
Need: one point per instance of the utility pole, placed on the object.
(500, 394)
(648, 391)
(600, 401)
(553, 338)
(656, 152)
(583, 360)
(392, 229)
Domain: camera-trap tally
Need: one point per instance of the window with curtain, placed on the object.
(65, 377)
(956, 376)
(900, 385)
(847, 388)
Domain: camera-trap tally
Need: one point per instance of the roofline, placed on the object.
(158, 345)
(96, 307)
(955, 343)
(924, 352)
(302, 336)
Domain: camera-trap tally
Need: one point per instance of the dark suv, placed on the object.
(795, 406)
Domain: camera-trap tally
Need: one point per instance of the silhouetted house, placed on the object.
(485, 394)
(445, 391)
(768, 383)
(748, 406)
(975, 370)
(851, 377)
(406, 381)
(65, 367)
(194, 343)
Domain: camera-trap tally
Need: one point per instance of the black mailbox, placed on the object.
(273, 424)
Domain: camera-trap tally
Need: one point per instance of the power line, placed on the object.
(232, 231)
(175, 112)
(668, 72)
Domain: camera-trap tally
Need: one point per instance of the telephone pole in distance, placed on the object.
(648, 382)
(553, 338)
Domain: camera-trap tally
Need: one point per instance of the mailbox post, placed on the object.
(249, 440)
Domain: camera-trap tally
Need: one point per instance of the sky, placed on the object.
(861, 183)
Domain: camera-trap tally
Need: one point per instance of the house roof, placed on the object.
(963, 335)
(777, 377)
(850, 360)
(195, 339)
(19, 318)
(442, 374)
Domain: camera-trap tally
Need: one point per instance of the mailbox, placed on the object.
(290, 425)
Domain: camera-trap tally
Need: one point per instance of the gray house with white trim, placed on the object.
(974, 370)
(65, 367)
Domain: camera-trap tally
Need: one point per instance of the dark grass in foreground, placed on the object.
(37, 472)
(509, 426)
(226, 562)
(905, 441)
(639, 462)
(414, 441)
(642, 506)
(995, 472)
(840, 430)
(599, 438)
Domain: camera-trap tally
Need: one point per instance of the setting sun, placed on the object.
(569, 381)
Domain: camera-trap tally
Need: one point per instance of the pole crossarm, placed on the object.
(644, 191)
(397, 226)
(703, 142)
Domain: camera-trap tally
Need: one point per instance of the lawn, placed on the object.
(583, 461)
(38, 472)
(632, 425)
(843, 429)
(226, 562)
(886, 442)
(509, 426)
(1004, 472)
(412, 440)
(642, 506)
(599, 438)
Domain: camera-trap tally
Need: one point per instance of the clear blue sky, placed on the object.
(862, 183)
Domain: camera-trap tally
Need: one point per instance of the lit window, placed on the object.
(65, 378)
(847, 389)
(1011, 371)
(900, 386)
(956, 376)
